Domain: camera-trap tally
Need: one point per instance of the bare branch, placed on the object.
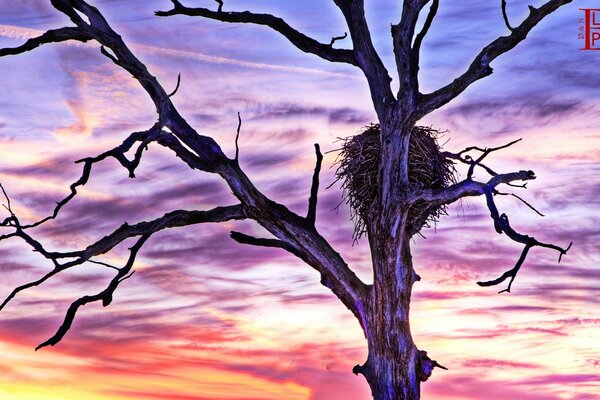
(521, 199)
(467, 159)
(106, 295)
(505, 16)
(336, 38)
(467, 187)
(502, 225)
(367, 58)
(416, 48)
(402, 35)
(118, 153)
(480, 67)
(485, 153)
(51, 36)
(176, 86)
(297, 38)
(202, 152)
(237, 137)
(314, 190)
(170, 220)
(220, 9)
(251, 240)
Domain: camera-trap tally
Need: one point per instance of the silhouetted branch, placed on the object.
(336, 38)
(220, 9)
(366, 56)
(416, 48)
(521, 199)
(480, 67)
(427, 365)
(297, 38)
(261, 242)
(51, 36)
(106, 295)
(118, 153)
(314, 190)
(170, 220)
(467, 159)
(176, 86)
(502, 225)
(467, 187)
(237, 137)
(503, 6)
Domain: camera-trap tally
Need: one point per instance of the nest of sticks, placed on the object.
(358, 165)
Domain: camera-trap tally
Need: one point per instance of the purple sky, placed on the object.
(206, 318)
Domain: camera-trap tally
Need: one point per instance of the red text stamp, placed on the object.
(589, 31)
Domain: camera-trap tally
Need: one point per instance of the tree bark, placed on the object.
(393, 367)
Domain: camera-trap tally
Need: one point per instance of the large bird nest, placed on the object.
(358, 165)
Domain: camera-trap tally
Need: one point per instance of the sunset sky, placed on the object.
(206, 318)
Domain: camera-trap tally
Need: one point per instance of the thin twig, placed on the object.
(336, 38)
(237, 137)
(176, 86)
(506, 16)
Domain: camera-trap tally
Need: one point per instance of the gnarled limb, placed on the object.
(51, 36)
(505, 16)
(502, 225)
(106, 295)
(202, 152)
(311, 215)
(480, 67)
(367, 58)
(466, 188)
(144, 137)
(415, 53)
(172, 219)
(404, 51)
(297, 38)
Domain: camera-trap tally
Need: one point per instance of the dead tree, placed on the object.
(395, 367)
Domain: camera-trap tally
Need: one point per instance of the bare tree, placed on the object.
(395, 366)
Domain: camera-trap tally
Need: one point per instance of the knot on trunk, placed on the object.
(427, 366)
(358, 369)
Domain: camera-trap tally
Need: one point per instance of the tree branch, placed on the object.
(298, 39)
(106, 295)
(170, 220)
(261, 242)
(367, 58)
(467, 187)
(145, 137)
(237, 137)
(51, 36)
(521, 199)
(416, 48)
(314, 190)
(336, 38)
(480, 67)
(505, 16)
(402, 36)
(202, 152)
(502, 225)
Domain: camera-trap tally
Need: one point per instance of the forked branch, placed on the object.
(502, 225)
(314, 190)
(480, 66)
(51, 36)
(297, 38)
(198, 152)
(106, 295)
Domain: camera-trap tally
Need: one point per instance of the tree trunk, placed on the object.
(395, 367)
